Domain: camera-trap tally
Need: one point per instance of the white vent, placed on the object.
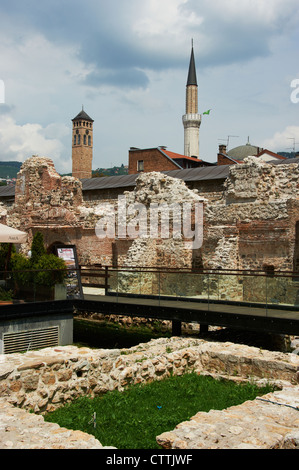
(22, 341)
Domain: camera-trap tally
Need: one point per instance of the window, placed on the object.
(89, 140)
(140, 165)
(84, 139)
(78, 139)
(75, 139)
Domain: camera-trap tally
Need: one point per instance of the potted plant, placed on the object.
(37, 276)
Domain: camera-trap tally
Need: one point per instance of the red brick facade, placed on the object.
(153, 160)
(160, 159)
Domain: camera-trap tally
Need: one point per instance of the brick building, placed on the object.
(160, 159)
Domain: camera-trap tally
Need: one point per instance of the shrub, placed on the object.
(20, 267)
(5, 295)
(4, 247)
(37, 248)
(53, 270)
(41, 269)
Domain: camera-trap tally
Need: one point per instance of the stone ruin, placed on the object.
(251, 225)
(41, 381)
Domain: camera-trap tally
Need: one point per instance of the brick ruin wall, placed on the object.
(249, 223)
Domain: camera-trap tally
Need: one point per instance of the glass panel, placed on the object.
(254, 289)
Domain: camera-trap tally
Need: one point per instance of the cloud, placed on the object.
(284, 140)
(119, 41)
(19, 142)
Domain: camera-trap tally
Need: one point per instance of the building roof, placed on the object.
(243, 151)
(176, 156)
(189, 174)
(7, 191)
(83, 115)
(271, 154)
(206, 173)
(192, 80)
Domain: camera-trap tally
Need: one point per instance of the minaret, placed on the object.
(191, 120)
(82, 146)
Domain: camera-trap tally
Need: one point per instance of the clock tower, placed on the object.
(82, 146)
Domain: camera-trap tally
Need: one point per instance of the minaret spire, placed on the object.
(192, 80)
(191, 120)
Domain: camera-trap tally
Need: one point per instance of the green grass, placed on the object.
(108, 335)
(133, 418)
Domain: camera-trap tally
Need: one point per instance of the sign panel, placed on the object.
(73, 283)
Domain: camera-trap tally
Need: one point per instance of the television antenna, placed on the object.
(294, 144)
(227, 140)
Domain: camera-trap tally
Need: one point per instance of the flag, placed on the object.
(207, 112)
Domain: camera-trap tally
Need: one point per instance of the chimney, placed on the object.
(222, 149)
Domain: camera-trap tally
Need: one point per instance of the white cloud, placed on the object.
(19, 142)
(284, 140)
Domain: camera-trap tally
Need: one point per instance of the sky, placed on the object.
(126, 62)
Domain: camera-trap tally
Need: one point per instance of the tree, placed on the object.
(37, 248)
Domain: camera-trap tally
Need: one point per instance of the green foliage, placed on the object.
(20, 267)
(53, 270)
(4, 247)
(102, 334)
(41, 269)
(132, 419)
(5, 295)
(9, 169)
(37, 248)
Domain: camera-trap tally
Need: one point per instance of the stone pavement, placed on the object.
(269, 422)
(20, 429)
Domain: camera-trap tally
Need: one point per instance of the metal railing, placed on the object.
(245, 286)
(204, 285)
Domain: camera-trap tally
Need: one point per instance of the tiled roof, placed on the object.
(82, 115)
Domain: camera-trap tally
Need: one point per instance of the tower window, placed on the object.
(75, 139)
(79, 139)
(89, 140)
(84, 139)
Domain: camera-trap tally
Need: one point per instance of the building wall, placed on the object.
(153, 160)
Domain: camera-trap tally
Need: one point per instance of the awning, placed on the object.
(11, 235)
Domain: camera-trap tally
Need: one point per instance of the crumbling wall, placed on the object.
(254, 225)
(251, 225)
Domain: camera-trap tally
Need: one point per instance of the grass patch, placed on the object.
(133, 418)
(102, 334)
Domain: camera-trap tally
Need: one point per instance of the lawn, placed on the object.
(133, 418)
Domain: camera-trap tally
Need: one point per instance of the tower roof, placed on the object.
(192, 80)
(83, 115)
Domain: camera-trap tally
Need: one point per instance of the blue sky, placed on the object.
(127, 61)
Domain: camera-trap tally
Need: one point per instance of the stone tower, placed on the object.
(82, 146)
(191, 120)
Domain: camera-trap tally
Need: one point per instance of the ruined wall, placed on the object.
(254, 225)
(249, 222)
(45, 380)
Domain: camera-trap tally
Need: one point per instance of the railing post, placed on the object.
(106, 280)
